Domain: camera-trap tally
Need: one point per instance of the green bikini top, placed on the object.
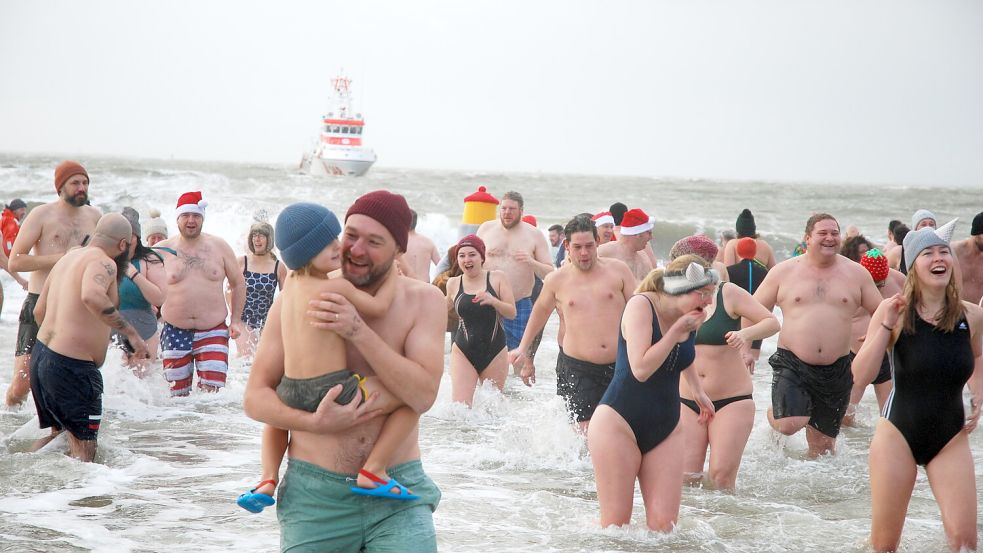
(714, 331)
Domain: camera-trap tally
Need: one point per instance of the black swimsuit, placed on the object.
(650, 408)
(479, 336)
(929, 368)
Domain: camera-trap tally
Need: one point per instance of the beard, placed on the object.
(368, 279)
(190, 233)
(78, 200)
(515, 222)
(122, 264)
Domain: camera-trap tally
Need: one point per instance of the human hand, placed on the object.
(330, 417)
(141, 351)
(897, 305)
(235, 329)
(483, 298)
(737, 339)
(974, 413)
(522, 256)
(686, 324)
(335, 313)
(748, 358)
(706, 408)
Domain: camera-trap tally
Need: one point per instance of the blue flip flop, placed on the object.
(256, 502)
(389, 490)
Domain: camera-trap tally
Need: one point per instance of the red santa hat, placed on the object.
(635, 222)
(603, 218)
(191, 202)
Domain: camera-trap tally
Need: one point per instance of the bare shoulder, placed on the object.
(783, 268)
(616, 267)
(605, 249)
(486, 227)
(92, 213)
(219, 243)
(420, 292)
(974, 314)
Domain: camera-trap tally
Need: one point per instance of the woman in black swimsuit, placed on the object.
(481, 299)
(933, 342)
(725, 374)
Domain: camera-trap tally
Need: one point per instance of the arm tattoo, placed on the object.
(114, 319)
(110, 269)
(356, 326)
(101, 279)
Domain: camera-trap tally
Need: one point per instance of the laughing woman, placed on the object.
(933, 342)
(481, 299)
(635, 432)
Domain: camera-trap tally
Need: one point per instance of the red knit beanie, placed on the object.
(472, 241)
(67, 170)
(876, 264)
(746, 248)
(391, 210)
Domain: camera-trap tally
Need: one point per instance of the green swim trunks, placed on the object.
(318, 513)
(307, 393)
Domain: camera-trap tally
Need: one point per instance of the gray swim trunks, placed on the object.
(307, 393)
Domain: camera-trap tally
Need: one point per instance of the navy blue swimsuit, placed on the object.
(260, 288)
(650, 408)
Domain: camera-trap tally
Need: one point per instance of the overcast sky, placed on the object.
(886, 91)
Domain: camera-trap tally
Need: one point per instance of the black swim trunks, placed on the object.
(820, 392)
(884, 374)
(67, 392)
(27, 331)
(581, 384)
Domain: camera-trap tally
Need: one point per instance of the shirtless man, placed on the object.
(636, 233)
(420, 253)
(818, 292)
(590, 293)
(77, 310)
(888, 282)
(405, 349)
(747, 229)
(617, 211)
(51, 230)
(969, 253)
(195, 335)
(521, 252)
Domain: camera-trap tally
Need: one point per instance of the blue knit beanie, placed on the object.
(302, 230)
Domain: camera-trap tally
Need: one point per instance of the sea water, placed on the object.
(514, 475)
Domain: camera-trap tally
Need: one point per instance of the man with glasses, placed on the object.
(818, 292)
(50, 230)
(77, 309)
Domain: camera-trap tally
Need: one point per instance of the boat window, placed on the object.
(359, 130)
(336, 128)
(344, 130)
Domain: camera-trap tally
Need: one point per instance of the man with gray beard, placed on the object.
(50, 230)
(590, 293)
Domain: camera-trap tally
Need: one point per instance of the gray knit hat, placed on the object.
(133, 217)
(303, 229)
(694, 277)
(917, 240)
(921, 215)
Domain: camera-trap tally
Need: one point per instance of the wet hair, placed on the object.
(893, 225)
(440, 281)
(145, 253)
(580, 223)
(515, 197)
(816, 217)
(952, 309)
(655, 280)
(851, 247)
(412, 219)
(618, 211)
(557, 228)
(900, 232)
